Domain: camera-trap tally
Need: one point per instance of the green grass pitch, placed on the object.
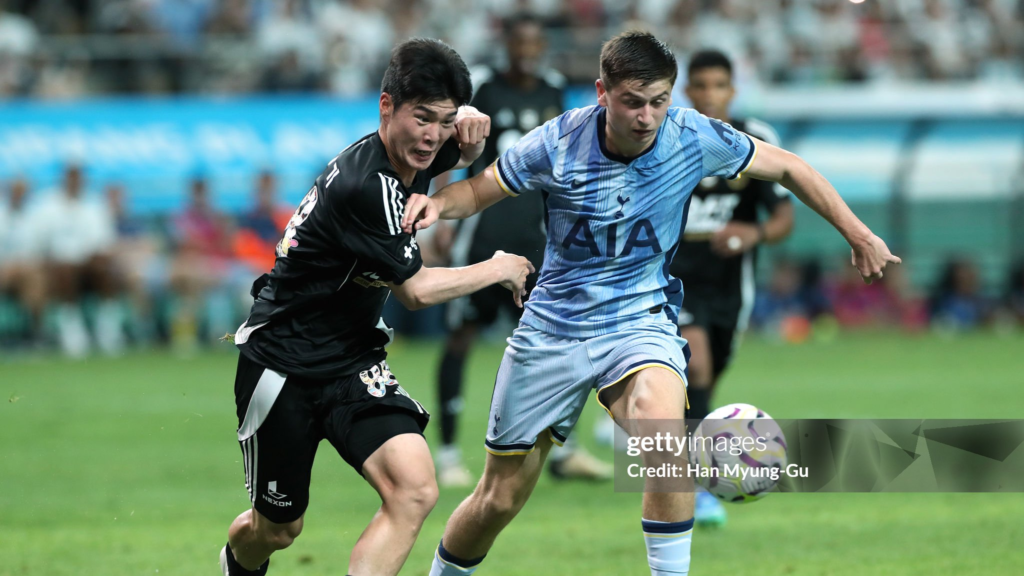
(130, 467)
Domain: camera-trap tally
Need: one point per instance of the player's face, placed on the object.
(416, 132)
(526, 47)
(635, 112)
(711, 91)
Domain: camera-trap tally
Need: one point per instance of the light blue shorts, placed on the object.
(544, 380)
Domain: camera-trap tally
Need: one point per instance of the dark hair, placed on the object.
(639, 56)
(509, 25)
(426, 70)
(709, 59)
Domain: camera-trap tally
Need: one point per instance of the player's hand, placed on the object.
(514, 270)
(734, 239)
(472, 127)
(870, 258)
(420, 212)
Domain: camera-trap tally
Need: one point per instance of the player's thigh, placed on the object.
(400, 469)
(278, 436)
(509, 479)
(654, 393)
(641, 372)
(366, 410)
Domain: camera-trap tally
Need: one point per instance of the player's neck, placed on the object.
(625, 149)
(405, 173)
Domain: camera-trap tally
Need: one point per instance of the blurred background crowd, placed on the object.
(94, 260)
(69, 48)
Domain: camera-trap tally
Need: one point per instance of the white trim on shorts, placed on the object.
(262, 400)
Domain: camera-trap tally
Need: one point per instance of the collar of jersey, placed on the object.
(618, 157)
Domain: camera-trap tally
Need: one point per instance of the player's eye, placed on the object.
(448, 123)
(422, 120)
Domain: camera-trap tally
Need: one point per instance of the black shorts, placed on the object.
(719, 319)
(282, 419)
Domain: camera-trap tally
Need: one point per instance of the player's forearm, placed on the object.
(816, 192)
(432, 286)
(469, 154)
(456, 200)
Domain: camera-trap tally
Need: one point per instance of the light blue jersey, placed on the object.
(614, 223)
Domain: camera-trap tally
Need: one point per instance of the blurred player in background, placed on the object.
(313, 361)
(716, 256)
(22, 275)
(77, 235)
(203, 263)
(617, 179)
(518, 100)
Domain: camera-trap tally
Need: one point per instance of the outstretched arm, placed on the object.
(430, 286)
(870, 254)
(458, 200)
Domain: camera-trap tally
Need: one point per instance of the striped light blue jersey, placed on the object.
(614, 223)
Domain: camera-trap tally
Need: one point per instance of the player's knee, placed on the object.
(501, 504)
(417, 501)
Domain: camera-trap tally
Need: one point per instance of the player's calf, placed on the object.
(252, 538)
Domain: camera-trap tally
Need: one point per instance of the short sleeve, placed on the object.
(446, 159)
(727, 152)
(527, 164)
(371, 217)
(769, 194)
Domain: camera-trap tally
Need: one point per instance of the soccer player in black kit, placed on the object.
(518, 99)
(313, 364)
(715, 259)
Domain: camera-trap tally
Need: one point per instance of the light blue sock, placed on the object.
(445, 564)
(668, 546)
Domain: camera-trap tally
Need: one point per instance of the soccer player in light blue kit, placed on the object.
(616, 179)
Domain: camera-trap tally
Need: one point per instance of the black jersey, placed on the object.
(516, 226)
(318, 312)
(714, 203)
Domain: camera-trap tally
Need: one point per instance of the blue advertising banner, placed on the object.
(155, 146)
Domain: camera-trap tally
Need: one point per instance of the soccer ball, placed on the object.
(740, 453)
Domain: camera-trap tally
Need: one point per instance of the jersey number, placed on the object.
(301, 213)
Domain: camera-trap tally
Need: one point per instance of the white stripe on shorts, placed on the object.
(263, 398)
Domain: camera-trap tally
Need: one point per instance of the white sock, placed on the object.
(110, 327)
(668, 546)
(445, 564)
(74, 339)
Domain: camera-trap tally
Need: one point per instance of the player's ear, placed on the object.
(386, 106)
(602, 94)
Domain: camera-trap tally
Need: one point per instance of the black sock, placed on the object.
(700, 401)
(236, 569)
(449, 391)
